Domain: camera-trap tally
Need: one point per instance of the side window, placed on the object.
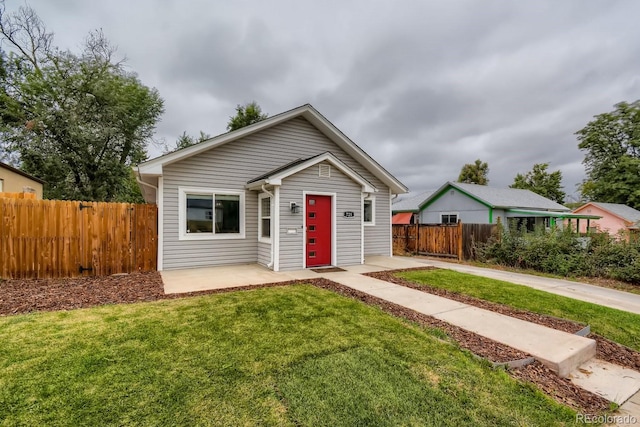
(369, 211)
(264, 215)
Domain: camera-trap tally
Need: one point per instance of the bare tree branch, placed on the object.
(25, 31)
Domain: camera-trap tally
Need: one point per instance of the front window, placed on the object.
(369, 211)
(449, 218)
(264, 214)
(210, 214)
(199, 213)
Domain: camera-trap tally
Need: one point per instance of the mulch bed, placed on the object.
(25, 296)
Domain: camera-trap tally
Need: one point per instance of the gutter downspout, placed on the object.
(270, 194)
(141, 182)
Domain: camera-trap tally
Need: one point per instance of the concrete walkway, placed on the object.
(560, 351)
(620, 300)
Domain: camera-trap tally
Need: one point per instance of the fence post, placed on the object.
(460, 248)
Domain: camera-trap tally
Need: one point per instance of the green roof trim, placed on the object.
(435, 196)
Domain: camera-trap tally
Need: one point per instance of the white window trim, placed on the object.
(261, 197)
(457, 214)
(373, 211)
(1, 185)
(182, 211)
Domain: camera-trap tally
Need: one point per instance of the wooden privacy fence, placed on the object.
(54, 238)
(18, 195)
(445, 240)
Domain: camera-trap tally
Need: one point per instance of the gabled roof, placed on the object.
(503, 198)
(154, 167)
(19, 172)
(410, 202)
(627, 213)
(276, 176)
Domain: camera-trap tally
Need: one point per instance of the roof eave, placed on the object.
(155, 166)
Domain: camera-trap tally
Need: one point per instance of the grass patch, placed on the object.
(294, 355)
(617, 325)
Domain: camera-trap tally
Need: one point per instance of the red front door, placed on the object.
(318, 223)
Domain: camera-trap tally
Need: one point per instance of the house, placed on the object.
(481, 204)
(289, 192)
(406, 209)
(14, 180)
(615, 217)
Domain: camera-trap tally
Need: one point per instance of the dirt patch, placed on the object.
(25, 296)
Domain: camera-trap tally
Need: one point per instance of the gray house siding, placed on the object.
(348, 230)
(453, 201)
(377, 238)
(229, 167)
(264, 253)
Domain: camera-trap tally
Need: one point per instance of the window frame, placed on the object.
(213, 192)
(261, 238)
(449, 214)
(371, 199)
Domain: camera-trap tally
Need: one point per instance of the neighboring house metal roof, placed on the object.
(402, 218)
(503, 198)
(19, 172)
(625, 212)
(409, 202)
(154, 167)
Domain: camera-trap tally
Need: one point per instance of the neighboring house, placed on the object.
(13, 180)
(289, 192)
(616, 217)
(481, 204)
(406, 209)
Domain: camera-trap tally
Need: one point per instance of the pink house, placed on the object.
(616, 217)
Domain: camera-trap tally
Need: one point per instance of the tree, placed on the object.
(78, 121)
(612, 145)
(540, 181)
(474, 173)
(246, 115)
(186, 140)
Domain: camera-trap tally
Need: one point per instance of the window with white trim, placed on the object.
(369, 210)
(449, 218)
(206, 213)
(264, 218)
(1, 185)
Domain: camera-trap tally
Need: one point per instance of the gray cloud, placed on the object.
(423, 86)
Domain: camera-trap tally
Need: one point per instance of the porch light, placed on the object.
(295, 208)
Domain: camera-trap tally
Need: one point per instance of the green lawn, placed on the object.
(617, 325)
(294, 355)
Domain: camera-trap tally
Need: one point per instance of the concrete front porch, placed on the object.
(202, 279)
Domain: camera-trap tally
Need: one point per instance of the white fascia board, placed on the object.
(336, 135)
(154, 166)
(257, 185)
(330, 158)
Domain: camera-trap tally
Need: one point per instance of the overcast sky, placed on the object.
(422, 86)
